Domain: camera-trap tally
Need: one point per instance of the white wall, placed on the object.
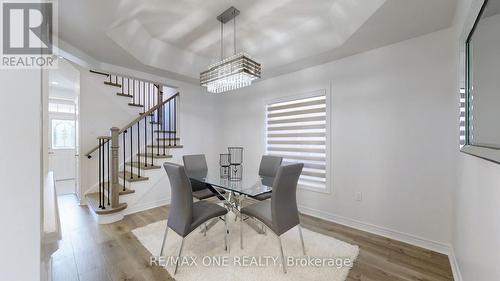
(394, 119)
(476, 233)
(20, 171)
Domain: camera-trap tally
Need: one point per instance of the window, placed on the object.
(61, 107)
(297, 131)
(462, 117)
(63, 134)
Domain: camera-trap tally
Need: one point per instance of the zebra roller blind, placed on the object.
(297, 131)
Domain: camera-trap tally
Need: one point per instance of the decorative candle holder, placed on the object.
(235, 161)
(224, 165)
(235, 155)
(236, 172)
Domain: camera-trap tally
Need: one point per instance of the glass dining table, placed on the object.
(250, 185)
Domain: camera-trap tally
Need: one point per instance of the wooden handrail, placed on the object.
(125, 76)
(100, 73)
(135, 121)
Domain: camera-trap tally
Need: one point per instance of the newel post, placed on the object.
(115, 191)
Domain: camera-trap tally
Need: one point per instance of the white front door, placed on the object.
(62, 151)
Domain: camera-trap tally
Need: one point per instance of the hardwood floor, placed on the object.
(91, 252)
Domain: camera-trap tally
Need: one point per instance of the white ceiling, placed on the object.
(182, 37)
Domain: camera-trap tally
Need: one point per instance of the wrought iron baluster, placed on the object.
(138, 149)
(163, 127)
(175, 121)
(158, 133)
(102, 166)
(100, 176)
(133, 91)
(145, 141)
(109, 175)
(143, 97)
(148, 104)
(124, 158)
(131, 153)
(170, 103)
(152, 140)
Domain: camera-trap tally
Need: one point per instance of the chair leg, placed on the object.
(179, 257)
(226, 240)
(282, 255)
(302, 240)
(164, 240)
(241, 231)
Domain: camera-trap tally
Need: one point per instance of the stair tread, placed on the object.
(122, 190)
(166, 146)
(166, 139)
(164, 131)
(154, 155)
(143, 165)
(93, 201)
(135, 104)
(113, 84)
(124, 95)
(126, 191)
(132, 177)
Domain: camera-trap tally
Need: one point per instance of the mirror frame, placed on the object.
(482, 151)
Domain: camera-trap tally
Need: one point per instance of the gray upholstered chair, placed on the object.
(268, 168)
(197, 164)
(184, 216)
(279, 214)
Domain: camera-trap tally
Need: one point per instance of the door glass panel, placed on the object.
(63, 134)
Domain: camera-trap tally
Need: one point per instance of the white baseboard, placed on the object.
(438, 247)
(428, 244)
(146, 206)
(457, 275)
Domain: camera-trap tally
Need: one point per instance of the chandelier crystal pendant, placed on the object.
(234, 72)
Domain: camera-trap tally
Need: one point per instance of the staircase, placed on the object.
(127, 154)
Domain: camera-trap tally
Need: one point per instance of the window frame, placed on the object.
(328, 134)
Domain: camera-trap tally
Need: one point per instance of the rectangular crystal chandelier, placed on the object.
(234, 72)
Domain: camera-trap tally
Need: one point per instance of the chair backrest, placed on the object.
(285, 214)
(180, 213)
(269, 165)
(195, 163)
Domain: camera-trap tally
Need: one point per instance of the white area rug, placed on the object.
(259, 259)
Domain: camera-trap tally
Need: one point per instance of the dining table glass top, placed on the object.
(250, 184)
